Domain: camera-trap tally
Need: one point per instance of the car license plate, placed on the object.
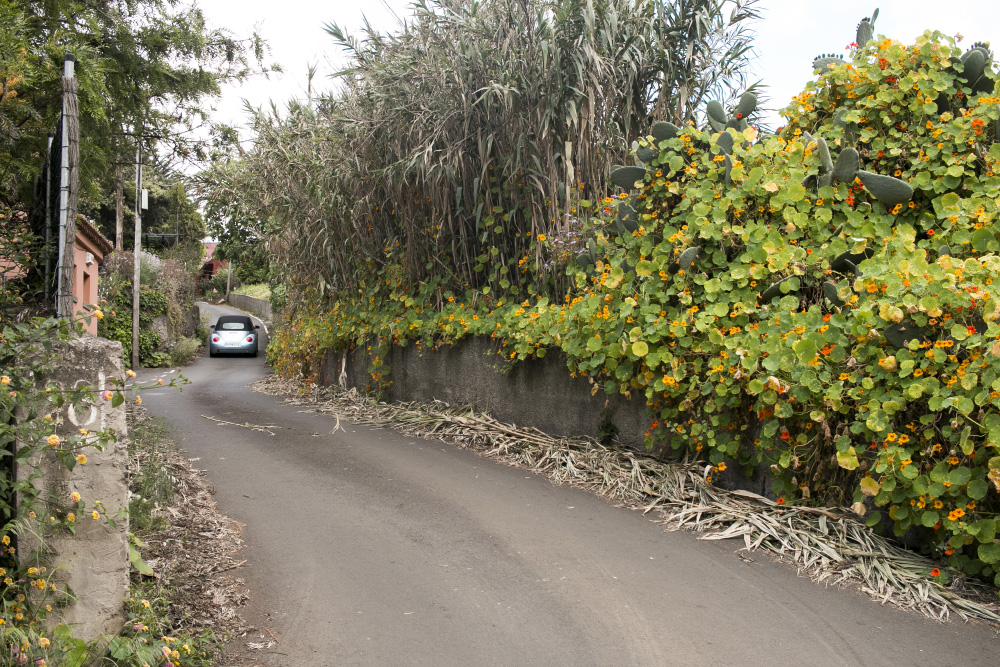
(232, 344)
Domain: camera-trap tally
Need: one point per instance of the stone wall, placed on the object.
(259, 307)
(536, 392)
(94, 561)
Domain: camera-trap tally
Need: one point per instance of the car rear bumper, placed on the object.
(222, 348)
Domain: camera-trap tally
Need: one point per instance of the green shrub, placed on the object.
(153, 487)
(258, 291)
(184, 350)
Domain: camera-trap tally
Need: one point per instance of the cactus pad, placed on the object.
(898, 335)
(725, 142)
(847, 262)
(975, 64)
(830, 292)
(663, 130)
(822, 62)
(716, 112)
(645, 154)
(687, 258)
(774, 290)
(625, 177)
(627, 220)
(887, 189)
(847, 165)
(824, 154)
(866, 30)
(746, 106)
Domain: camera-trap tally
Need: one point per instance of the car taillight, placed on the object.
(215, 339)
(249, 339)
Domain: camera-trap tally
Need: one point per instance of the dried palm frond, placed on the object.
(828, 544)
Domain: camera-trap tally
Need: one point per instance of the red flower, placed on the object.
(780, 501)
(738, 116)
(785, 435)
(971, 330)
(935, 572)
(930, 232)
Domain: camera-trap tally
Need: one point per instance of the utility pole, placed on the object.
(135, 253)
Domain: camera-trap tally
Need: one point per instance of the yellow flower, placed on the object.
(53, 440)
(43, 642)
(4, 379)
(130, 373)
(540, 237)
(71, 517)
(81, 459)
(144, 603)
(138, 400)
(95, 515)
(75, 497)
(99, 314)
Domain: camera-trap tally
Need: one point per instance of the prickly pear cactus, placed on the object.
(831, 286)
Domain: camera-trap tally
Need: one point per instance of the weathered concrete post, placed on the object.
(94, 561)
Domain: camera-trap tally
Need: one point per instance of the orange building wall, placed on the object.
(86, 258)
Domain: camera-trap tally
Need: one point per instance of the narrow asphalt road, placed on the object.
(368, 547)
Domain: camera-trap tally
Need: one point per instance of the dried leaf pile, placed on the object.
(828, 544)
(195, 556)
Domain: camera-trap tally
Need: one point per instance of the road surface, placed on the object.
(369, 547)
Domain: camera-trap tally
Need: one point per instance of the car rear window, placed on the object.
(234, 323)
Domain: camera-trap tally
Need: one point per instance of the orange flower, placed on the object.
(780, 501)
(935, 572)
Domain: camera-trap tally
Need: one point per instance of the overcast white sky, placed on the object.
(790, 34)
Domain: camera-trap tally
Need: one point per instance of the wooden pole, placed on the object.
(48, 218)
(135, 255)
(119, 210)
(68, 187)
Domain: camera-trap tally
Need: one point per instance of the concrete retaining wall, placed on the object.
(94, 562)
(259, 307)
(537, 392)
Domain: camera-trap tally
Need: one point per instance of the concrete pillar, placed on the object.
(94, 561)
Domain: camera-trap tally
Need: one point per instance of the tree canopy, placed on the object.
(145, 70)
